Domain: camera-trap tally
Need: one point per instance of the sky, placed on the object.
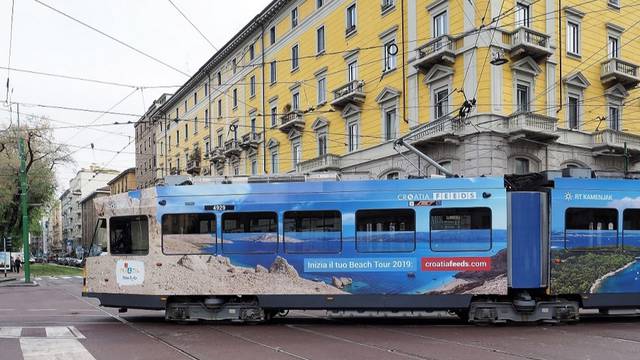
(46, 41)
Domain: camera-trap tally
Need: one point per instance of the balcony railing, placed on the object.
(251, 140)
(441, 50)
(525, 41)
(193, 167)
(217, 155)
(444, 128)
(292, 119)
(321, 163)
(352, 92)
(617, 70)
(614, 141)
(532, 126)
(232, 148)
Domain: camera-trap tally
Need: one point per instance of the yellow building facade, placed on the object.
(312, 85)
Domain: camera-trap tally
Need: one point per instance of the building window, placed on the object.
(393, 176)
(441, 103)
(272, 35)
(588, 228)
(390, 124)
(353, 136)
(296, 153)
(206, 118)
(195, 125)
(386, 5)
(252, 86)
(206, 89)
(320, 45)
(195, 98)
(523, 15)
(390, 53)
(219, 108)
(573, 38)
(254, 166)
(319, 3)
(184, 234)
(614, 47)
(253, 126)
(573, 112)
(295, 60)
(295, 100)
(255, 232)
(275, 166)
(312, 232)
(322, 90)
(234, 66)
(322, 144)
(522, 97)
(219, 76)
(351, 19)
(274, 116)
(522, 166)
(352, 71)
(220, 139)
(207, 147)
(614, 3)
(388, 230)
(273, 72)
(186, 131)
(294, 17)
(440, 24)
(252, 52)
(614, 118)
(129, 235)
(460, 229)
(235, 98)
(177, 137)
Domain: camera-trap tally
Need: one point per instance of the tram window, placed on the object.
(587, 228)
(249, 232)
(184, 234)
(312, 231)
(460, 229)
(631, 230)
(388, 230)
(129, 235)
(100, 239)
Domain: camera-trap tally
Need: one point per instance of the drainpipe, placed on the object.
(264, 113)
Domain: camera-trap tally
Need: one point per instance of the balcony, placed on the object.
(193, 167)
(612, 142)
(525, 41)
(232, 148)
(321, 163)
(217, 155)
(620, 71)
(441, 50)
(292, 119)
(350, 93)
(251, 140)
(531, 126)
(174, 171)
(444, 129)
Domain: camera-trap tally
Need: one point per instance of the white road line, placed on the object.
(54, 349)
(59, 332)
(77, 277)
(10, 332)
(41, 310)
(66, 277)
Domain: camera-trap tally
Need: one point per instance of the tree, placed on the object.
(42, 156)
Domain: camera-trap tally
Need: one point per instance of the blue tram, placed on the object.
(488, 249)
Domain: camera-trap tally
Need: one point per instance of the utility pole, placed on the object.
(23, 202)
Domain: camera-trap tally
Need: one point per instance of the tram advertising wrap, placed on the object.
(595, 238)
(440, 236)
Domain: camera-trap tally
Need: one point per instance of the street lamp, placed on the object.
(497, 58)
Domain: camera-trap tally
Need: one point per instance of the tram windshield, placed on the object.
(99, 242)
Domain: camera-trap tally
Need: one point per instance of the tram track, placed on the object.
(276, 349)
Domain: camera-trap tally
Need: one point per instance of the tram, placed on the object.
(489, 249)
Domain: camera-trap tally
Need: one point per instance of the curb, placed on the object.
(3, 279)
(21, 284)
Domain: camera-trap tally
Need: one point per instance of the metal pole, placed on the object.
(23, 203)
(4, 251)
(425, 157)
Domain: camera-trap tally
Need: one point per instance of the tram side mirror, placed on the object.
(486, 195)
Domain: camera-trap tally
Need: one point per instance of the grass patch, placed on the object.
(54, 270)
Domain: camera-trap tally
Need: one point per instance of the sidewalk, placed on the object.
(14, 280)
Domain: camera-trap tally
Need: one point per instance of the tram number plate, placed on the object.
(219, 207)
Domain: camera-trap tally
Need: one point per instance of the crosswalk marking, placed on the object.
(52, 332)
(53, 349)
(10, 332)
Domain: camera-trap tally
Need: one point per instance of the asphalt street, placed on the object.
(52, 321)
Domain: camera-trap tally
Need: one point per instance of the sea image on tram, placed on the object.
(436, 236)
(595, 239)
